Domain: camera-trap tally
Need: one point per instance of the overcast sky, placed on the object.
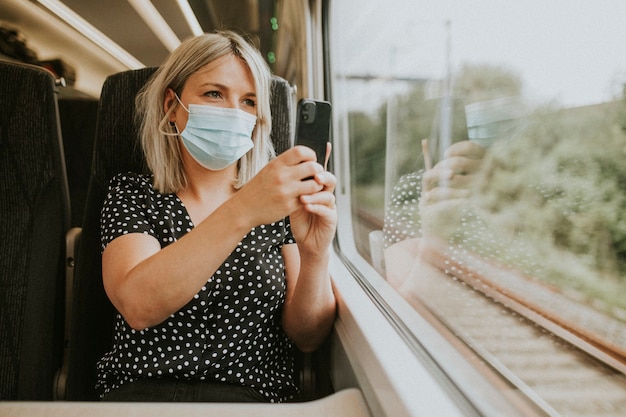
(571, 51)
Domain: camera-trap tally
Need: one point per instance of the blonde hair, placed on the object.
(162, 149)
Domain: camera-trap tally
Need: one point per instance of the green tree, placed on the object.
(479, 82)
(367, 146)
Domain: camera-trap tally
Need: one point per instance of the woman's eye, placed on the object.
(250, 102)
(213, 94)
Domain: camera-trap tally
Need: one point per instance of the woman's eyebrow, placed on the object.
(212, 84)
(225, 87)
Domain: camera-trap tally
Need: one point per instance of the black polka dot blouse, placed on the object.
(402, 215)
(230, 331)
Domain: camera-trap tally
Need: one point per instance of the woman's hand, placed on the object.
(446, 187)
(314, 222)
(453, 175)
(277, 190)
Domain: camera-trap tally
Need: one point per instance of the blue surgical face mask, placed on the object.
(217, 137)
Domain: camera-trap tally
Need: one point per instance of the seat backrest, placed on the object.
(34, 217)
(283, 114)
(78, 127)
(116, 150)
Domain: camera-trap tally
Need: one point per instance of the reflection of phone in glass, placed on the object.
(313, 126)
(449, 126)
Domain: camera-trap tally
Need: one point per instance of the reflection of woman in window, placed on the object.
(428, 203)
(485, 100)
(550, 204)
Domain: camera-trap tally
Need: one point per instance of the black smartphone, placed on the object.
(449, 126)
(313, 126)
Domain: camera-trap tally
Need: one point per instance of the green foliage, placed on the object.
(558, 191)
(486, 82)
(550, 202)
(399, 125)
(413, 117)
(367, 145)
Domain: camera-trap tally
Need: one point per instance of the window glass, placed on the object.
(487, 180)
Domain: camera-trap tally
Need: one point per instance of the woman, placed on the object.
(200, 259)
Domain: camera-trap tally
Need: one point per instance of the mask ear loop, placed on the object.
(171, 126)
(181, 103)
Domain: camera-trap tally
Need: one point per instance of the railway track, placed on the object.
(558, 353)
(564, 369)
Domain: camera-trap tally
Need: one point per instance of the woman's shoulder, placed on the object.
(131, 182)
(131, 178)
(131, 187)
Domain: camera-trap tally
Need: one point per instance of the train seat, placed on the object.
(90, 317)
(34, 217)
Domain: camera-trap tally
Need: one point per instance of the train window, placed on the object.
(483, 173)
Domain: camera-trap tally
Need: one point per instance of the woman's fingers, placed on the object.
(446, 178)
(439, 194)
(465, 148)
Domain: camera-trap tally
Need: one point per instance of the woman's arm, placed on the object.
(147, 283)
(310, 305)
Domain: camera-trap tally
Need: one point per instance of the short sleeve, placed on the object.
(126, 208)
(288, 234)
